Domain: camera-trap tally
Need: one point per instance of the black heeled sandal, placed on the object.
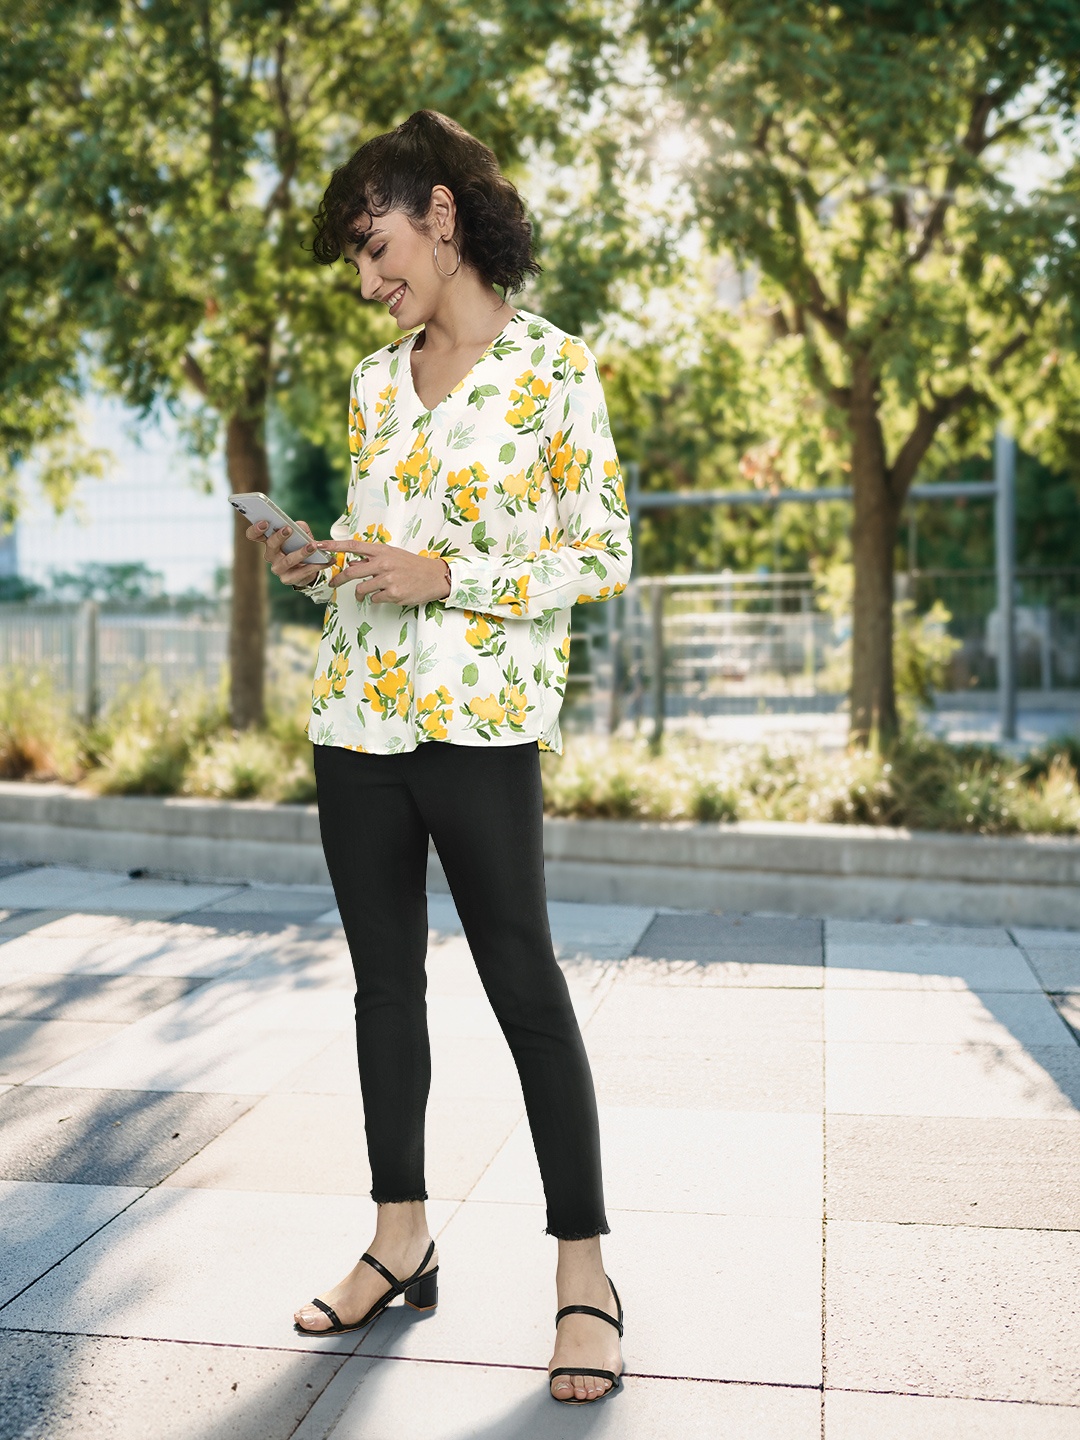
(421, 1292)
(616, 1380)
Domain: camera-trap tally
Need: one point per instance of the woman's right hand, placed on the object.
(289, 569)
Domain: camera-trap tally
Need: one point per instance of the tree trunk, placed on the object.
(248, 470)
(873, 694)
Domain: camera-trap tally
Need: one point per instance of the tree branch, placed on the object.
(194, 374)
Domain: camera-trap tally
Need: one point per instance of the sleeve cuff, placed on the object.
(470, 585)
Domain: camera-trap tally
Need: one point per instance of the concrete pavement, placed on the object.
(842, 1163)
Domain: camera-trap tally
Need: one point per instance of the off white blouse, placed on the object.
(513, 479)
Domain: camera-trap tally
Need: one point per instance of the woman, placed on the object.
(485, 499)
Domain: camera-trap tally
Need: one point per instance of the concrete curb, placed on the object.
(841, 870)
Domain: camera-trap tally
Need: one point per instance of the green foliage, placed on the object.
(39, 738)
(924, 784)
(116, 584)
(145, 742)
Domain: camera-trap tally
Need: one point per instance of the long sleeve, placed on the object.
(360, 456)
(586, 555)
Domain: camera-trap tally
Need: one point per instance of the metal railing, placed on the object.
(91, 653)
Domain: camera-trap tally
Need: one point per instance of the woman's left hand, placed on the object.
(388, 574)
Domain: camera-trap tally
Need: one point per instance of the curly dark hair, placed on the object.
(398, 170)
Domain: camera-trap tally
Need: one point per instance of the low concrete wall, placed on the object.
(842, 870)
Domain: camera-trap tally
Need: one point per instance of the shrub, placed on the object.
(39, 736)
(145, 741)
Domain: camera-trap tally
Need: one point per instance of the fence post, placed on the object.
(1005, 537)
(657, 646)
(88, 628)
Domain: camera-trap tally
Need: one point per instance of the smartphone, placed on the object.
(255, 506)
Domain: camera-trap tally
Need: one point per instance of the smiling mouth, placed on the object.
(393, 301)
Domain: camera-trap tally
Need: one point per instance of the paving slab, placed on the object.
(766, 1074)
(1057, 969)
(760, 972)
(758, 1281)
(605, 932)
(943, 1017)
(927, 967)
(701, 938)
(41, 1223)
(148, 949)
(154, 1054)
(916, 933)
(77, 1387)
(712, 1017)
(305, 900)
(1032, 938)
(1069, 1008)
(107, 1137)
(940, 1170)
(29, 1047)
(705, 1161)
(118, 998)
(1039, 1082)
(17, 922)
(987, 1314)
(158, 897)
(853, 1416)
(314, 1144)
(392, 1398)
(55, 886)
(218, 1266)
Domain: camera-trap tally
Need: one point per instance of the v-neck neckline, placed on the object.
(431, 409)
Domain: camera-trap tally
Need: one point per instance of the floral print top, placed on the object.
(513, 479)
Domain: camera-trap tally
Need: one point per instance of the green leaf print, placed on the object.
(481, 539)
(426, 660)
(404, 634)
(536, 332)
(435, 611)
(394, 367)
(470, 675)
(537, 355)
(362, 634)
(480, 393)
(461, 436)
(507, 453)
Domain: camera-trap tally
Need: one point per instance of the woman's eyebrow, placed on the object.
(362, 240)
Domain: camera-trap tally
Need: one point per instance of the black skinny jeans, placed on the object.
(484, 810)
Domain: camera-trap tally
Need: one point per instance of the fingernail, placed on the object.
(261, 525)
(287, 530)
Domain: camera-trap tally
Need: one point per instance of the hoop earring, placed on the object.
(438, 267)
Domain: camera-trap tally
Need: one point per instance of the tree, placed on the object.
(163, 163)
(857, 155)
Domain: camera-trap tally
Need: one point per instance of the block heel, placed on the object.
(424, 1295)
(421, 1292)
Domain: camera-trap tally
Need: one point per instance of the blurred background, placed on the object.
(826, 255)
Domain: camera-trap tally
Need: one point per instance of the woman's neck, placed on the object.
(469, 314)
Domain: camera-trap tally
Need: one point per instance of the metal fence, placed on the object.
(93, 653)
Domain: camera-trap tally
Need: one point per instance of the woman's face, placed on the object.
(396, 268)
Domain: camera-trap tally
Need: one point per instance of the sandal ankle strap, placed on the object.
(386, 1274)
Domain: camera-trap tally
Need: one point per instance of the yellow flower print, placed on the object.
(528, 399)
(357, 428)
(563, 651)
(516, 707)
(478, 633)
(484, 633)
(487, 709)
(568, 463)
(434, 712)
(464, 491)
(524, 488)
(416, 472)
(375, 534)
(331, 683)
(573, 351)
(385, 403)
(517, 596)
(390, 691)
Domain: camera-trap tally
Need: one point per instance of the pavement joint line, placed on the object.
(930, 1395)
(11, 1300)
